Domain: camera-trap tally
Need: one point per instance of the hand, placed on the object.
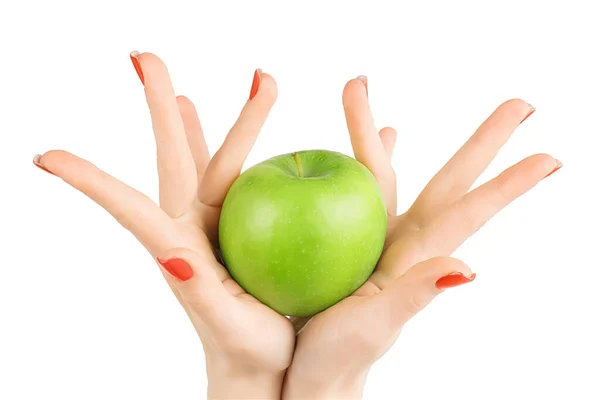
(248, 346)
(336, 348)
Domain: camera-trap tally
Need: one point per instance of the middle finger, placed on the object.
(176, 167)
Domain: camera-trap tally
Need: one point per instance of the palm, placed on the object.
(268, 336)
(362, 327)
(192, 189)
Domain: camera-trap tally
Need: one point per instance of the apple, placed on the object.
(302, 231)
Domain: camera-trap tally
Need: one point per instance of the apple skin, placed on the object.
(300, 244)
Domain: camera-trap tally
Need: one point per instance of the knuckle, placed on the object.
(122, 217)
(470, 222)
(500, 189)
(413, 304)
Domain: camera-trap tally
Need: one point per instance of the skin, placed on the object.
(302, 243)
(192, 188)
(337, 347)
(249, 346)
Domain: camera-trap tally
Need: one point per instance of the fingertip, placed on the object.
(454, 279)
(185, 104)
(52, 158)
(152, 69)
(183, 98)
(147, 58)
(178, 252)
(539, 165)
(546, 160)
(437, 267)
(268, 88)
(388, 138)
(451, 272)
(388, 134)
(37, 161)
(516, 108)
(454, 264)
(354, 89)
(177, 267)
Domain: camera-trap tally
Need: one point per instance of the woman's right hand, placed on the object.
(248, 346)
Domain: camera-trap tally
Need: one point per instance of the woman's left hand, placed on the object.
(336, 348)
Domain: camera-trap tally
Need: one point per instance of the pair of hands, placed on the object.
(249, 347)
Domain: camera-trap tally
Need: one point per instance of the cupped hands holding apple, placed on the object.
(250, 347)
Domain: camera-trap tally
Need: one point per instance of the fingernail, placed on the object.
(453, 279)
(136, 64)
(36, 162)
(558, 166)
(365, 81)
(531, 111)
(255, 83)
(177, 267)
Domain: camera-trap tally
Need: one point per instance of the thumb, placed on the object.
(196, 279)
(414, 290)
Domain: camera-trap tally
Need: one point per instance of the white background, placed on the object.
(84, 313)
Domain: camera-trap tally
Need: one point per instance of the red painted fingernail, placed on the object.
(255, 83)
(558, 166)
(177, 268)
(453, 279)
(136, 64)
(36, 162)
(365, 81)
(531, 111)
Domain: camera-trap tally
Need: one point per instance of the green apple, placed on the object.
(302, 231)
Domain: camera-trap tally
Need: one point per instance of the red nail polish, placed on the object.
(136, 64)
(558, 166)
(255, 83)
(531, 111)
(36, 162)
(177, 268)
(365, 81)
(453, 279)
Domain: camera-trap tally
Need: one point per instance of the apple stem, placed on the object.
(299, 164)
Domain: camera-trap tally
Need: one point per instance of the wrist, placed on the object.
(231, 379)
(342, 384)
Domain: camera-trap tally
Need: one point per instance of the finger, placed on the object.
(176, 169)
(413, 291)
(227, 163)
(388, 139)
(195, 136)
(366, 142)
(134, 211)
(467, 215)
(198, 282)
(458, 175)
